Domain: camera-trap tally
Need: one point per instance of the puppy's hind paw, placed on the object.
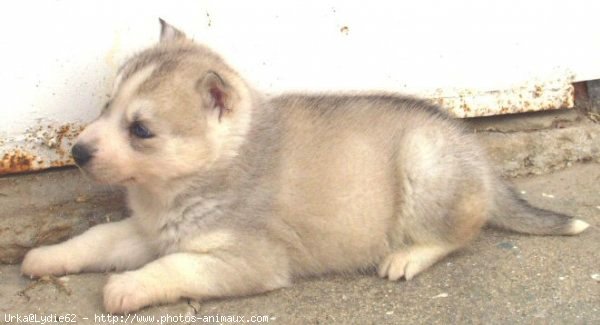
(124, 293)
(393, 266)
(410, 262)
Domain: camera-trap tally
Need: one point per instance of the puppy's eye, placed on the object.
(139, 130)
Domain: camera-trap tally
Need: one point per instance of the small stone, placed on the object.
(595, 277)
(551, 196)
(523, 192)
(562, 277)
(505, 245)
(344, 297)
(391, 312)
(441, 295)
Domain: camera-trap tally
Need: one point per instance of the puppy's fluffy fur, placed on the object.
(235, 194)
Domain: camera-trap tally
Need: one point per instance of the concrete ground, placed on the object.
(501, 278)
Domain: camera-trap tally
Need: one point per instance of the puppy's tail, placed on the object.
(511, 212)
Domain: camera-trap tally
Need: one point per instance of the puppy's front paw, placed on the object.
(47, 260)
(125, 293)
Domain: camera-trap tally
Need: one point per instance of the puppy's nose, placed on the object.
(81, 153)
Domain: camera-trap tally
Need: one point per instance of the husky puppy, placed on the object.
(234, 194)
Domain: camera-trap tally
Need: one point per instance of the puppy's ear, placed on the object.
(216, 94)
(169, 33)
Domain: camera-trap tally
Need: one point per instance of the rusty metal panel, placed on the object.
(529, 97)
(41, 147)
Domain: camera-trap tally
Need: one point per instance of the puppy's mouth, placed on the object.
(106, 180)
(124, 181)
(127, 181)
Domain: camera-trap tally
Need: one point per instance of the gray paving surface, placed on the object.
(501, 278)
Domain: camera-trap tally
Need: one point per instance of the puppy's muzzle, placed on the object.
(82, 154)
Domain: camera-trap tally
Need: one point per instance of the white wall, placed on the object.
(58, 57)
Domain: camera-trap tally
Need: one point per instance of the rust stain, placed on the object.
(111, 55)
(62, 163)
(538, 91)
(16, 162)
(65, 137)
(580, 92)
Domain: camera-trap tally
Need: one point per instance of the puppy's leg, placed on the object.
(433, 236)
(192, 275)
(409, 262)
(116, 245)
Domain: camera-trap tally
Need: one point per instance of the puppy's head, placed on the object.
(176, 109)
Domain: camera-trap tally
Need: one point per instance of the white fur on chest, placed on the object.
(171, 225)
